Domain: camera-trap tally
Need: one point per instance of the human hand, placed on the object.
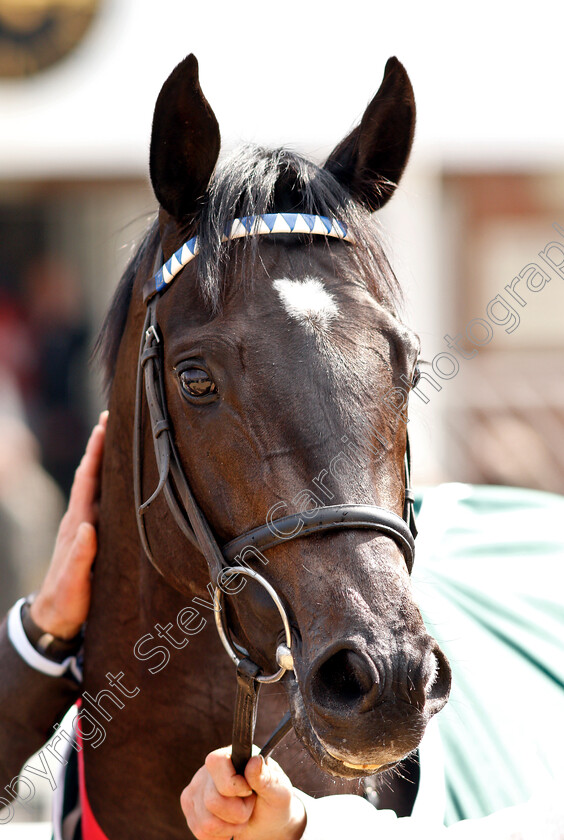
(219, 804)
(62, 604)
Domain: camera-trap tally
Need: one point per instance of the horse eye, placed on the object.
(197, 382)
(416, 376)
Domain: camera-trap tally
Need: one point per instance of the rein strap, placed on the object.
(245, 716)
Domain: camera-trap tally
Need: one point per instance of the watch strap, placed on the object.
(45, 643)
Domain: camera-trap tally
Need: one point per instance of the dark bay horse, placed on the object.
(285, 371)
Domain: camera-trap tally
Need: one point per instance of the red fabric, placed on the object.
(89, 824)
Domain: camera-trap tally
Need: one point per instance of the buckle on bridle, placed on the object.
(152, 332)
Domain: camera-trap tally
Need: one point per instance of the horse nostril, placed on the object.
(438, 684)
(346, 677)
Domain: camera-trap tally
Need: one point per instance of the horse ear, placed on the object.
(370, 161)
(185, 142)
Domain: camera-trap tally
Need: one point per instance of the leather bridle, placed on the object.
(173, 484)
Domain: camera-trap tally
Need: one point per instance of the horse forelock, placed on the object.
(253, 181)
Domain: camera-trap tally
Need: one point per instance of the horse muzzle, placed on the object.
(366, 711)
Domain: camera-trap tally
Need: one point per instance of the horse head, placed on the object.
(285, 373)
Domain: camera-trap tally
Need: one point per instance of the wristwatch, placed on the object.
(46, 644)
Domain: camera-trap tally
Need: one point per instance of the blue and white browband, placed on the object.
(247, 226)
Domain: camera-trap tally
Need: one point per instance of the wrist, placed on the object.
(45, 616)
(43, 639)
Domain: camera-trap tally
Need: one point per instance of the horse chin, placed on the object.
(326, 757)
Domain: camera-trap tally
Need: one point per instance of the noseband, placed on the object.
(190, 519)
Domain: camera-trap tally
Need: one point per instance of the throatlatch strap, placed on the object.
(245, 714)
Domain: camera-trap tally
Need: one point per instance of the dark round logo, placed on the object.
(35, 34)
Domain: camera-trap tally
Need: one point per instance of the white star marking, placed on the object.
(308, 302)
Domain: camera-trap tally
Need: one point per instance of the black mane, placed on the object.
(253, 181)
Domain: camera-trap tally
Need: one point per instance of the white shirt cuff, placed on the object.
(34, 659)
